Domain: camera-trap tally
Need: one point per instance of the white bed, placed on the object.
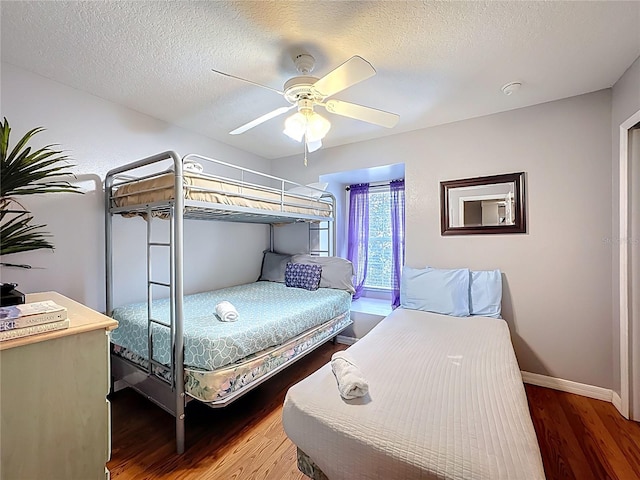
(446, 401)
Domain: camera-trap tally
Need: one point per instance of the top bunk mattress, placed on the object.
(213, 190)
(269, 314)
(446, 401)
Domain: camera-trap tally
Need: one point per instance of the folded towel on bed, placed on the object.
(351, 383)
(191, 166)
(226, 311)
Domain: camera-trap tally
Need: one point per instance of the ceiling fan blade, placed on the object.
(353, 71)
(262, 119)
(360, 112)
(248, 81)
(313, 146)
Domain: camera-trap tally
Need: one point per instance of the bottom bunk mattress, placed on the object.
(446, 401)
(275, 325)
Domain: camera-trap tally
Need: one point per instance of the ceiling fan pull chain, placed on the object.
(305, 149)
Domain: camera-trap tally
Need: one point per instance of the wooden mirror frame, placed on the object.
(520, 224)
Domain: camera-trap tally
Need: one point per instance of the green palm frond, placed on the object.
(25, 171)
(17, 235)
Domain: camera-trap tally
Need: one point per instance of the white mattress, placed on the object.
(446, 401)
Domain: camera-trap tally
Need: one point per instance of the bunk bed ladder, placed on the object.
(316, 246)
(174, 250)
(151, 283)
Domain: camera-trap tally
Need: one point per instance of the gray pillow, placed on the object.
(274, 266)
(336, 272)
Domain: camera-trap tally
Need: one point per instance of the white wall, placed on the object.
(625, 102)
(557, 294)
(100, 135)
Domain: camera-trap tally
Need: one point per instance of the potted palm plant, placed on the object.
(27, 171)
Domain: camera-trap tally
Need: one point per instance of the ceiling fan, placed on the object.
(305, 92)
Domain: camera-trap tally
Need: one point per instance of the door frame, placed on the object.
(625, 351)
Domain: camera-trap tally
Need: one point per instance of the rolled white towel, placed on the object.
(226, 311)
(351, 383)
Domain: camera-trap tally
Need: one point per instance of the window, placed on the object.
(376, 236)
(380, 249)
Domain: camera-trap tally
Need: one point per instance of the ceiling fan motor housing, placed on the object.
(301, 88)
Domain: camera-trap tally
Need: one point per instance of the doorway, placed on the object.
(629, 241)
(633, 246)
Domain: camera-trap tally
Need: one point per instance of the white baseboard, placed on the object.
(568, 386)
(346, 340)
(617, 401)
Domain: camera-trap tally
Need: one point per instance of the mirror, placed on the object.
(494, 204)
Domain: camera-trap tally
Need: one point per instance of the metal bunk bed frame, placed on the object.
(170, 395)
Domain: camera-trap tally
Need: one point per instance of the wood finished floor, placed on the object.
(580, 438)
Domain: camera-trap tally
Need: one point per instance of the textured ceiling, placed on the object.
(436, 62)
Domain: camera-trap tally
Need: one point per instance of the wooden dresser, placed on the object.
(54, 416)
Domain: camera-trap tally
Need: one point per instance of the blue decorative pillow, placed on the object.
(303, 275)
(433, 290)
(485, 293)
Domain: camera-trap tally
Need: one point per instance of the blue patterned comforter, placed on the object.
(269, 314)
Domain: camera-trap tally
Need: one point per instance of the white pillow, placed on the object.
(310, 192)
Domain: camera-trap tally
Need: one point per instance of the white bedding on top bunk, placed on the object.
(446, 401)
(205, 188)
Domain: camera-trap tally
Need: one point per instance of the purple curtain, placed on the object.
(397, 231)
(358, 233)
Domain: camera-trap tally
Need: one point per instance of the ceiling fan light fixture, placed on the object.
(317, 127)
(295, 126)
(306, 124)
